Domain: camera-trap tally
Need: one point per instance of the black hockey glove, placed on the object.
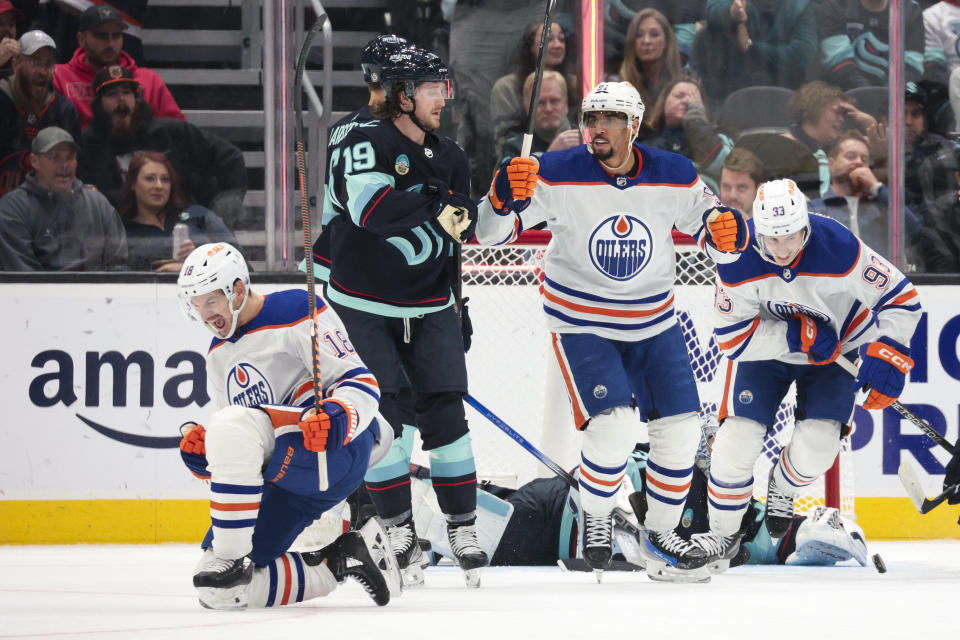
(952, 478)
(466, 327)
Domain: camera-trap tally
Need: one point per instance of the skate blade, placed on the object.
(472, 578)
(412, 576)
(598, 574)
(718, 566)
(232, 599)
(662, 572)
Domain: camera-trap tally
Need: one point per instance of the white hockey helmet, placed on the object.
(208, 268)
(619, 97)
(780, 209)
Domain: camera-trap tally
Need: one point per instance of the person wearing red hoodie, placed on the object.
(100, 37)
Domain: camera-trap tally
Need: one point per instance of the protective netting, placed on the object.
(512, 370)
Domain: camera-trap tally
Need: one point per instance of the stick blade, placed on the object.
(911, 483)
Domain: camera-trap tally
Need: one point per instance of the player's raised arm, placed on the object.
(512, 190)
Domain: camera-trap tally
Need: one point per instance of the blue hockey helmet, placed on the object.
(377, 52)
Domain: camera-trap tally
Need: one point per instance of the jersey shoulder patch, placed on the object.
(833, 250)
(665, 167)
(575, 165)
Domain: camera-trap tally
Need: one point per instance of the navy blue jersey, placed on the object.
(388, 255)
(335, 136)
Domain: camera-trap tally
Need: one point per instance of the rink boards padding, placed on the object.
(100, 374)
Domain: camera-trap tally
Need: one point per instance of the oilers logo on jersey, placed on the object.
(621, 246)
(247, 387)
(786, 310)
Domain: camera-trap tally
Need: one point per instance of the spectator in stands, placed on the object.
(507, 104)
(212, 170)
(857, 198)
(100, 36)
(821, 113)
(762, 42)
(552, 130)
(931, 159)
(941, 231)
(854, 38)
(940, 53)
(150, 204)
(682, 15)
(651, 59)
(52, 222)
(9, 46)
(480, 32)
(741, 175)
(28, 103)
(679, 123)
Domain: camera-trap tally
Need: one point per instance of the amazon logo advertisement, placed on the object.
(115, 379)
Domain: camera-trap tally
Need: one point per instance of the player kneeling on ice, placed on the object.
(260, 449)
(806, 293)
(612, 205)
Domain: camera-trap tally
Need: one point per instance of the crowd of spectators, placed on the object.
(97, 161)
(691, 61)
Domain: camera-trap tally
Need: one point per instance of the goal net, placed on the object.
(512, 370)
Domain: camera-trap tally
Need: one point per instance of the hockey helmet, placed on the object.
(212, 267)
(376, 53)
(780, 209)
(412, 67)
(618, 97)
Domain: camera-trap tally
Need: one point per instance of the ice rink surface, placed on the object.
(140, 591)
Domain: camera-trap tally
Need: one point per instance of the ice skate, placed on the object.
(670, 558)
(406, 548)
(467, 552)
(779, 515)
(720, 549)
(349, 557)
(597, 547)
(223, 583)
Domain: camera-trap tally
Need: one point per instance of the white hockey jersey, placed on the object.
(269, 360)
(836, 279)
(941, 27)
(610, 266)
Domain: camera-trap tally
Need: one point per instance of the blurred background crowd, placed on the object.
(130, 131)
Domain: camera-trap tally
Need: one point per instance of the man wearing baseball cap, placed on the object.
(9, 47)
(51, 222)
(211, 170)
(28, 103)
(100, 36)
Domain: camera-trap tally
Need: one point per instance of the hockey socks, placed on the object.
(453, 474)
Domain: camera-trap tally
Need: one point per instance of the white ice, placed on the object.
(145, 592)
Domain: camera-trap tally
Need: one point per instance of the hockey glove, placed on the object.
(327, 429)
(456, 213)
(952, 477)
(885, 366)
(514, 185)
(810, 336)
(726, 230)
(466, 326)
(193, 449)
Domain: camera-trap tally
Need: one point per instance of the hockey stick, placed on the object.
(523, 442)
(920, 423)
(322, 475)
(535, 94)
(911, 482)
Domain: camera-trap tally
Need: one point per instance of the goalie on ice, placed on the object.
(259, 450)
(806, 293)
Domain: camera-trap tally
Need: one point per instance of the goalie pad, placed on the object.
(826, 537)
(492, 517)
